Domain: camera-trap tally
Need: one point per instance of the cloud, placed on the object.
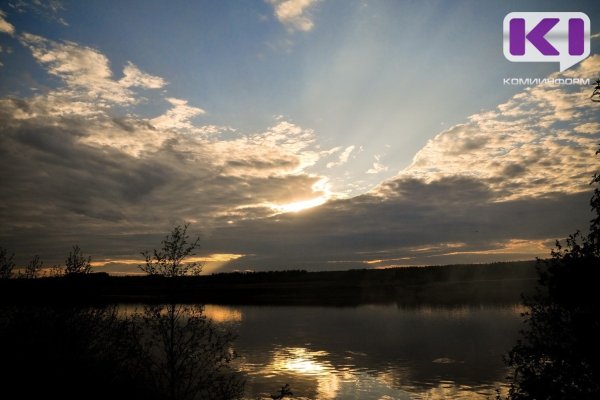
(504, 185)
(445, 221)
(178, 116)
(71, 159)
(134, 77)
(74, 169)
(5, 26)
(377, 166)
(595, 36)
(72, 179)
(294, 14)
(592, 128)
(87, 73)
(48, 10)
(343, 158)
(540, 141)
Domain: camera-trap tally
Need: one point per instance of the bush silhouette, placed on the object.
(183, 355)
(77, 263)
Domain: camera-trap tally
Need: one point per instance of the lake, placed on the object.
(372, 351)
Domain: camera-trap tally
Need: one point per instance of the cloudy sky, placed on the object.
(315, 134)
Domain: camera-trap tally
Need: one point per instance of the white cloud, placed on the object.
(593, 128)
(281, 151)
(87, 73)
(291, 139)
(134, 77)
(177, 117)
(343, 158)
(377, 166)
(294, 14)
(540, 141)
(5, 26)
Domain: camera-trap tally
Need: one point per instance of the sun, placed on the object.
(321, 188)
(300, 205)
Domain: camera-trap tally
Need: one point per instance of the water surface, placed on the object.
(372, 351)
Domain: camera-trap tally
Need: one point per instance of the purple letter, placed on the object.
(576, 36)
(517, 36)
(535, 36)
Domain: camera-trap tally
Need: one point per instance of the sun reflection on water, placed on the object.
(222, 313)
(313, 374)
(300, 360)
(339, 367)
(304, 362)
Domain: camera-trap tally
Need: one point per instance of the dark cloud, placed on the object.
(450, 220)
(513, 170)
(469, 144)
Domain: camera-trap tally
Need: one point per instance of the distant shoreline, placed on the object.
(497, 283)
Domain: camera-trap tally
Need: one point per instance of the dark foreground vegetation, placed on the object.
(455, 284)
(157, 352)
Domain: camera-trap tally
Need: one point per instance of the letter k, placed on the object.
(536, 36)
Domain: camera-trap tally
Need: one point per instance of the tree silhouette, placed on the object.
(558, 356)
(77, 263)
(6, 264)
(169, 260)
(33, 267)
(184, 356)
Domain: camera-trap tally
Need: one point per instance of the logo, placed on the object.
(562, 37)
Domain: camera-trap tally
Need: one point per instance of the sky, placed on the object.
(312, 134)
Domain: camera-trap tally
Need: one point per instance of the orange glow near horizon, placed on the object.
(520, 246)
(212, 262)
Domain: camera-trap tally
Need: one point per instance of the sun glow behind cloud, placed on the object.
(300, 205)
(321, 186)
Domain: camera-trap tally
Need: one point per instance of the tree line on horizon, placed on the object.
(168, 261)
